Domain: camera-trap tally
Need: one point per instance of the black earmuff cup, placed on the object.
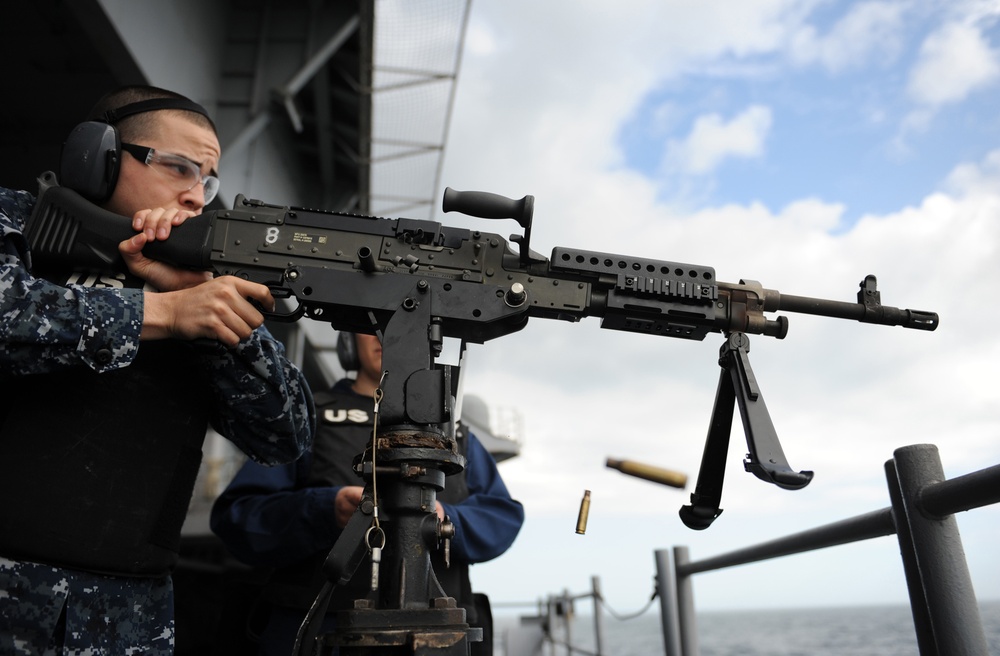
(90, 160)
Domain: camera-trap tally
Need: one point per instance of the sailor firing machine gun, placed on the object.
(415, 282)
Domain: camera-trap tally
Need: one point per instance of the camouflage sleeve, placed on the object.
(265, 406)
(45, 327)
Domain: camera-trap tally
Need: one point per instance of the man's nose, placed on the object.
(194, 198)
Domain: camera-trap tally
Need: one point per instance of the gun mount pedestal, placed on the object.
(437, 631)
(396, 527)
(409, 613)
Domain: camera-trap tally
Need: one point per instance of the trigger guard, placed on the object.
(294, 315)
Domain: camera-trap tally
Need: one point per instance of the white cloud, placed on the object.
(867, 30)
(573, 70)
(976, 179)
(541, 115)
(713, 140)
(843, 396)
(954, 61)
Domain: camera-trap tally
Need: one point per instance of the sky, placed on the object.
(803, 144)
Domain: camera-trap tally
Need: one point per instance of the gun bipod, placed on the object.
(765, 458)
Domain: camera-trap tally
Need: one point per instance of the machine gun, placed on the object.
(415, 282)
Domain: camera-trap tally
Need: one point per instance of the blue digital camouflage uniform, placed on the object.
(261, 402)
(105, 616)
(45, 327)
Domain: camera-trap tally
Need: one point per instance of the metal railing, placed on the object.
(553, 625)
(946, 615)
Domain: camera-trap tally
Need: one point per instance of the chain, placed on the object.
(377, 399)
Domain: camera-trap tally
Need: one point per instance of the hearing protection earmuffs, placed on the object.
(91, 155)
(347, 351)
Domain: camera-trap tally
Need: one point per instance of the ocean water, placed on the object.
(855, 631)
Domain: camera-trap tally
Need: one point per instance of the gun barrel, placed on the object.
(878, 314)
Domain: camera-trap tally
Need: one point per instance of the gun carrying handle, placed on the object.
(489, 206)
(494, 206)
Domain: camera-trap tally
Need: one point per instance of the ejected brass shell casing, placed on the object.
(581, 519)
(649, 472)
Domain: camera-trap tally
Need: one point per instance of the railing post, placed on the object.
(666, 590)
(685, 604)
(567, 605)
(937, 546)
(553, 616)
(595, 582)
(918, 600)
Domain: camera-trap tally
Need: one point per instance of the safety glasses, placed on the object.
(184, 173)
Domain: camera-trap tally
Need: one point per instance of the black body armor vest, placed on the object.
(97, 469)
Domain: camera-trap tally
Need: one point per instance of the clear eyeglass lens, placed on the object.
(187, 173)
(211, 188)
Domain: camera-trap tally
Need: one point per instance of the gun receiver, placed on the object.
(358, 273)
